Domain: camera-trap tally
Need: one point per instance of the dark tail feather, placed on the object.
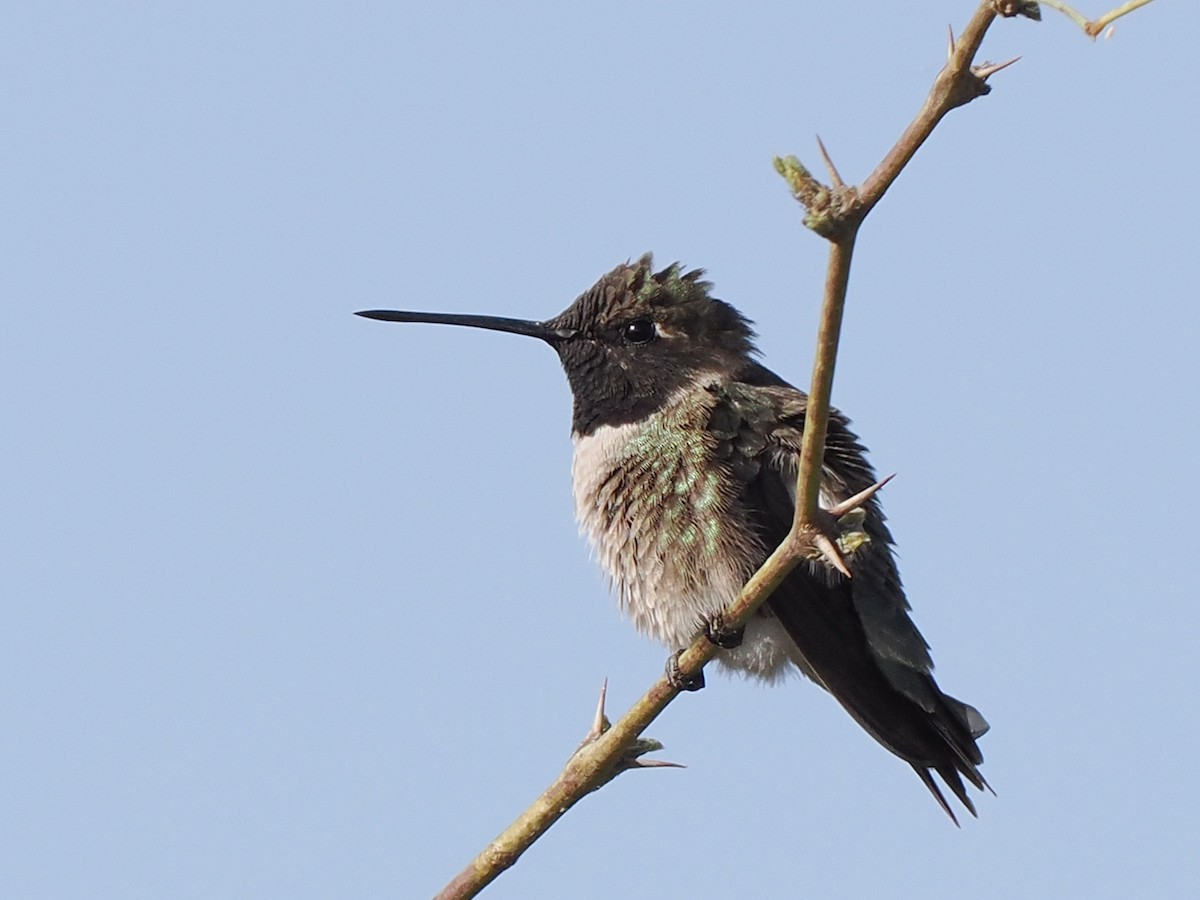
(928, 781)
(949, 775)
(929, 730)
(970, 716)
(967, 755)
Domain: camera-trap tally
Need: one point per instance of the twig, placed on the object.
(835, 213)
(1090, 28)
(955, 85)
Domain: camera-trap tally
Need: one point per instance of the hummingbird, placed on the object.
(686, 451)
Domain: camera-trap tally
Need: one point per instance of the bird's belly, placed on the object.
(664, 523)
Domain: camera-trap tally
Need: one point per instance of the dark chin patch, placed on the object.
(608, 394)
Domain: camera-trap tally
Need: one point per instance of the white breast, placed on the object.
(660, 519)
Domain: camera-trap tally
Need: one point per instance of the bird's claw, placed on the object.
(678, 679)
(721, 634)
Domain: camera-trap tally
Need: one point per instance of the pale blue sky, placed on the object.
(294, 602)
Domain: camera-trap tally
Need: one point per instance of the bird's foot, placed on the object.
(678, 679)
(719, 633)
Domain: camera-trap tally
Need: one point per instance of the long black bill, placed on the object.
(541, 330)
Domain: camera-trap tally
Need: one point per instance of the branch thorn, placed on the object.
(632, 757)
(830, 553)
(834, 176)
(988, 69)
(600, 723)
(852, 503)
(655, 764)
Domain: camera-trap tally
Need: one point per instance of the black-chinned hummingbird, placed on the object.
(684, 474)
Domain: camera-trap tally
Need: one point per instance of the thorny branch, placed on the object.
(834, 212)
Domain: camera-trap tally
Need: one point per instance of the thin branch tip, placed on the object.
(1093, 28)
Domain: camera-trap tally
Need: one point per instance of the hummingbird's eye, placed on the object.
(639, 331)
